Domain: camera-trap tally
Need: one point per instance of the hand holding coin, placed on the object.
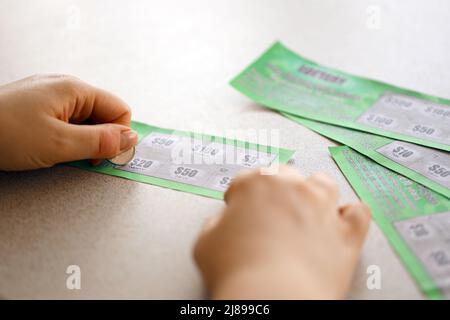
(49, 119)
(123, 158)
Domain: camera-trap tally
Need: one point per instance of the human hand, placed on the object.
(282, 237)
(50, 119)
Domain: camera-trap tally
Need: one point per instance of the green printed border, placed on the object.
(348, 124)
(413, 175)
(143, 130)
(375, 155)
(411, 262)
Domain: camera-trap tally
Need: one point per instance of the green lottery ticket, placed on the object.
(282, 80)
(190, 162)
(415, 220)
(426, 166)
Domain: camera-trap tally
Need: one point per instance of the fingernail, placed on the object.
(128, 139)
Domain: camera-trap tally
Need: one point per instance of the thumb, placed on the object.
(98, 141)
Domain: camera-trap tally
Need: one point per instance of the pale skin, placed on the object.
(40, 119)
(280, 236)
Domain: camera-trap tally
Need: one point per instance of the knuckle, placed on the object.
(60, 85)
(303, 186)
(256, 183)
(312, 192)
(256, 180)
(54, 77)
(244, 180)
(66, 83)
(245, 183)
(286, 169)
(320, 195)
(126, 114)
(62, 77)
(36, 77)
(325, 181)
(127, 109)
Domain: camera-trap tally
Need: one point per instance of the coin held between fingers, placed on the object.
(124, 157)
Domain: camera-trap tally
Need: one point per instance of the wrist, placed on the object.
(272, 280)
(283, 279)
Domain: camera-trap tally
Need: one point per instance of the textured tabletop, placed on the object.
(172, 61)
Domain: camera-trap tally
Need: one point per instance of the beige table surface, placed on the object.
(171, 61)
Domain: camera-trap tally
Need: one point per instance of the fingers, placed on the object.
(108, 108)
(320, 185)
(231, 191)
(289, 173)
(106, 119)
(324, 186)
(357, 218)
(285, 173)
(91, 104)
(94, 141)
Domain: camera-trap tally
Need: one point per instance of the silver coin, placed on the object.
(123, 158)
